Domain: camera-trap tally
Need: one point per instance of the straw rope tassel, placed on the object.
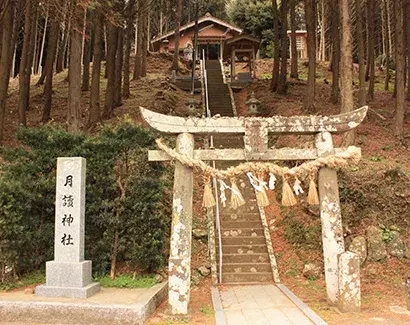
(237, 199)
(209, 199)
(288, 198)
(261, 196)
(313, 197)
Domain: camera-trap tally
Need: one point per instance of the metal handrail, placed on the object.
(214, 181)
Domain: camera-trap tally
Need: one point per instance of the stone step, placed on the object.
(253, 224)
(245, 267)
(248, 232)
(243, 258)
(243, 249)
(224, 216)
(247, 277)
(243, 240)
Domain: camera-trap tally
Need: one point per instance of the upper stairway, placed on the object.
(218, 91)
(245, 257)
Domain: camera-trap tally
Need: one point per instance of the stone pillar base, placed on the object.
(68, 279)
(85, 292)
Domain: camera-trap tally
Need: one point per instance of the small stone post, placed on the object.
(69, 275)
(181, 234)
(330, 215)
(349, 282)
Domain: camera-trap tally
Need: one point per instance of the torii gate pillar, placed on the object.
(181, 235)
(331, 218)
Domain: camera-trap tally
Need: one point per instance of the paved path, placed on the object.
(260, 305)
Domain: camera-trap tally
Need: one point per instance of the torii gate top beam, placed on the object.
(274, 125)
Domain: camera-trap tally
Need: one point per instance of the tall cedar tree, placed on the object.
(25, 69)
(407, 19)
(87, 53)
(118, 68)
(276, 46)
(95, 114)
(282, 87)
(144, 39)
(178, 15)
(371, 44)
(387, 43)
(360, 53)
(62, 49)
(334, 26)
(112, 42)
(138, 55)
(400, 69)
(310, 10)
(74, 72)
(293, 47)
(346, 64)
(51, 54)
(127, 40)
(7, 31)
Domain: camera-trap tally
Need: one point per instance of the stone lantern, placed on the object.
(193, 106)
(253, 105)
(166, 46)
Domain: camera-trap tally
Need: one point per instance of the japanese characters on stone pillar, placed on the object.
(69, 275)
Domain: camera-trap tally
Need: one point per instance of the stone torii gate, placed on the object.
(255, 131)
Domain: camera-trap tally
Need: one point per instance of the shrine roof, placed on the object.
(207, 18)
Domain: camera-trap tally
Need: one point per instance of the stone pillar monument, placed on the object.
(69, 275)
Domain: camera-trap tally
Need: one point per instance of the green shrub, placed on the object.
(126, 203)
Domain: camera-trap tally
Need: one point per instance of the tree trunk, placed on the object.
(33, 41)
(282, 87)
(87, 54)
(346, 64)
(40, 59)
(64, 42)
(128, 38)
(178, 13)
(51, 54)
(360, 52)
(400, 69)
(371, 18)
(7, 31)
(276, 47)
(310, 10)
(74, 71)
(16, 29)
(114, 255)
(119, 59)
(49, 65)
(386, 45)
(144, 41)
(323, 32)
(334, 7)
(112, 42)
(294, 53)
(407, 12)
(25, 68)
(95, 115)
(138, 55)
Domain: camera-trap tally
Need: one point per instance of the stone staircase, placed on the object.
(219, 98)
(245, 258)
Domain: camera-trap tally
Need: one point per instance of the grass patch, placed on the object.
(207, 311)
(28, 279)
(126, 281)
